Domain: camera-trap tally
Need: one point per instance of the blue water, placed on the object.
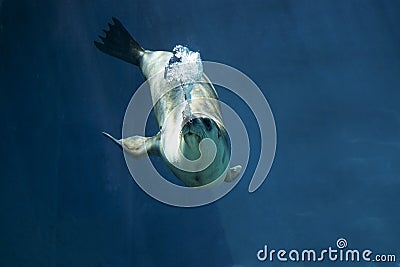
(329, 69)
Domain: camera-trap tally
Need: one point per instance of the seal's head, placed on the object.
(192, 133)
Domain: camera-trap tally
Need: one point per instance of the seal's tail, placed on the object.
(119, 43)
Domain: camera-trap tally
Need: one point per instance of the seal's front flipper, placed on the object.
(139, 145)
(119, 43)
(112, 138)
(232, 173)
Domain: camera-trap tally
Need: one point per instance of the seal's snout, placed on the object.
(207, 123)
(198, 126)
(194, 130)
(189, 126)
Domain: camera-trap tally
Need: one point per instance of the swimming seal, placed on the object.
(182, 139)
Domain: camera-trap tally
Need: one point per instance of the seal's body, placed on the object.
(180, 140)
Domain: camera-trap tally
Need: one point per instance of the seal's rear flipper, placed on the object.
(139, 145)
(119, 43)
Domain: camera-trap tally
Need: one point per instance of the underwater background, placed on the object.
(329, 69)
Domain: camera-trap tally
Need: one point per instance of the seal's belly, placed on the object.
(202, 101)
(166, 96)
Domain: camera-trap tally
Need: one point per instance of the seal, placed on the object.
(192, 140)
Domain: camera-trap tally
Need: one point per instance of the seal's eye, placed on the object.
(207, 123)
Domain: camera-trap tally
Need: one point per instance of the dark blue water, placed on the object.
(331, 73)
